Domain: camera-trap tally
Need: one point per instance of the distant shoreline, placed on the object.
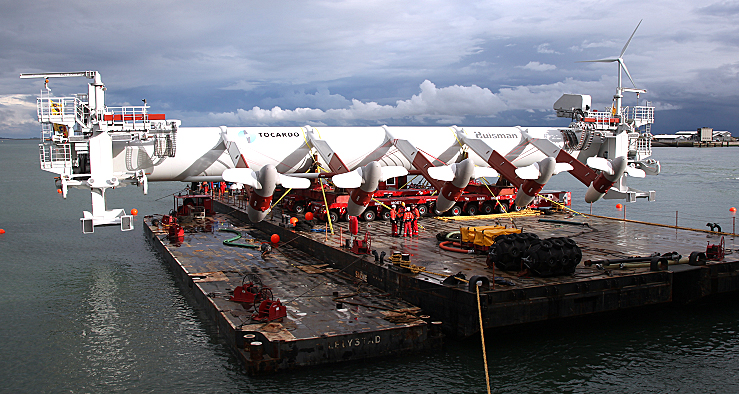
(694, 144)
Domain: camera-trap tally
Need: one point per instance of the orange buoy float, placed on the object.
(619, 207)
(275, 238)
(58, 191)
(293, 220)
(2, 231)
(134, 212)
(733, 211)
(309, 216)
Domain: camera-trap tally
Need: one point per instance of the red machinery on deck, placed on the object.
(252, 293)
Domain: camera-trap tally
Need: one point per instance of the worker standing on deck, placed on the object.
(408, 222)
(223, 189)
(416, 215)
(401, 219)
(394, 221)
(400, 211)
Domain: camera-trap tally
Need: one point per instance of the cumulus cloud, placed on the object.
(17, 115)
(431, 105)
(211, 61)
(536, 66)
(544, 48)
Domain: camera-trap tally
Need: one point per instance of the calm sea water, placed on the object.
(102, 313)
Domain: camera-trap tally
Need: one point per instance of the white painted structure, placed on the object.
(91, 146)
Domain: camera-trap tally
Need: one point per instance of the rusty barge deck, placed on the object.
(525, 299)
(330, 318)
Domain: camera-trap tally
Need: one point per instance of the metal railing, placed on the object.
(55, 156)
(643, 113)
(127, 118)
(56, 109)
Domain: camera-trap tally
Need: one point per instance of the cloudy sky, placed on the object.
(363, 62)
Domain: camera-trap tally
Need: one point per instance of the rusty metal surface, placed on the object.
(603, 239)
(528, 299)
(331, 315)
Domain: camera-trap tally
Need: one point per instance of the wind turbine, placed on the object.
(621, 65)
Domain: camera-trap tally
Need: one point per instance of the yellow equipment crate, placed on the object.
(484, 235)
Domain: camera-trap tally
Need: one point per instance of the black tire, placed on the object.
(455, 210)
(471, 209)
(423, 210)
(299, 208)
(369, 215)
(487, 208)
(334, 216)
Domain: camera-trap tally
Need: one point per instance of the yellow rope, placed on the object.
(497, 201)
(482, 338)
(373, 199)
(418, 269)
(661, 225)
(305, 139)
(522, 213)
(280, 199)
(406, 184)
(456, 138)
(562, 205)
(325, 204)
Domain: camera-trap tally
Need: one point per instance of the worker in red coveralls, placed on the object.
(416, 215)
(205, 188)
(401, 219)
(394, 221)
(408, 222)
(223, 189)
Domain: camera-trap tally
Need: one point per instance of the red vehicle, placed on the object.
(477, 199)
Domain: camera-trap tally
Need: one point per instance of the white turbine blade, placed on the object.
(348, 180)
(392, 171)
(628, 42)
(635, 172)
(600, 163)
(246, 176)
(292, 182)
(309, 175)
(562, 167)
(623, 65)
(485, 172)
(442, 173)
(598, 61)
(529, 172)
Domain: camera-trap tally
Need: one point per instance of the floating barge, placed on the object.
(331, 317)
(526, 299)
(343, 306)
